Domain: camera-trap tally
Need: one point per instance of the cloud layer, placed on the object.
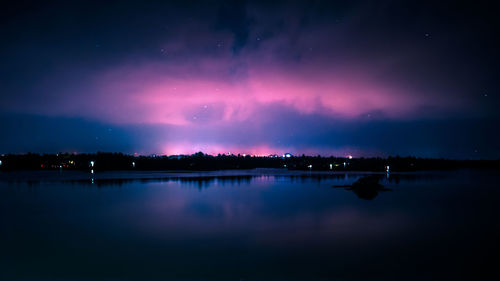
(248, 76)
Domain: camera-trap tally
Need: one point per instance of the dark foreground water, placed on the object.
(260, 225)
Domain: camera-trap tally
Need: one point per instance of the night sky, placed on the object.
(367, 78)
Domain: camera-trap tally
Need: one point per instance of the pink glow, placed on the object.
(190, 147)
(214, 149)
(203, 97)
(156, 94)
(226, 87)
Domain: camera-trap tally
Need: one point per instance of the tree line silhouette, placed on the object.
(204, 162)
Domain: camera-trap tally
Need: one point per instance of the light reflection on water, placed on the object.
(247, 225)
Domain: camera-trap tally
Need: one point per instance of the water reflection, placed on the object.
(202, 180)
(259, 226)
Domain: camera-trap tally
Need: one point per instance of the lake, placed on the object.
(248, 225)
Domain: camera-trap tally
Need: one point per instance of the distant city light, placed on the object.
(345, 164)
(349, 156)
(91, 163)
(387, 169)
(0, 162)
(310, 166)
(133, 164)
(331, 166)
(287, 155)
(91, 171)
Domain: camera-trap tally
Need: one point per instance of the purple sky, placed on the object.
(309, 77)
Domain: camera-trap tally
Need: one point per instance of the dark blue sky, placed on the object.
(357, 77)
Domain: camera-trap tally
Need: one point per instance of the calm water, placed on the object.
(247, 225)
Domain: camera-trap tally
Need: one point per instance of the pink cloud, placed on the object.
(192, 77)
(170, 94)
